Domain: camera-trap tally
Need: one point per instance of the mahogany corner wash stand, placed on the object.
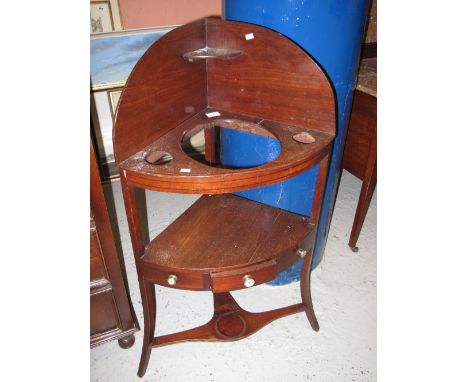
(193, 85)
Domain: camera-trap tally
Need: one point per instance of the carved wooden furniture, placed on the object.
(193, 85)
(111, 312)
(360, 152)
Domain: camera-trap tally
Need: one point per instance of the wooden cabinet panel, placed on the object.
(360, 152)
(103, 314)
(361, 131)
(111, 312)
(97, 269)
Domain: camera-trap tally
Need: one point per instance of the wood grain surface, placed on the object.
(162, 91)
(295, 157)
(223, 233)
(111, 312)
(272, 79)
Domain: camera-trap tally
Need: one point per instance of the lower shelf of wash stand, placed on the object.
(223, 242)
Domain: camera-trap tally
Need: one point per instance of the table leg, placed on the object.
(367, 190)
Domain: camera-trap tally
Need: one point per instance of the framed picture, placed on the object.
(114, 96)
(105, 16)
(113, 56)
(101, 17)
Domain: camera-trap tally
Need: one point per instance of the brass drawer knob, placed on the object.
(248, 281)
(172, 280)
(301, 252)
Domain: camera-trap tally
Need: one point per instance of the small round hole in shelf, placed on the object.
(304, 137)
(158, 157)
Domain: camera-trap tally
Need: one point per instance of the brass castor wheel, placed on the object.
(355, 249)
(127, 342)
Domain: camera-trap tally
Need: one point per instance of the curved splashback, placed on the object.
(225, 65)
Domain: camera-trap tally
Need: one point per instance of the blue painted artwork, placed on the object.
(113, 58)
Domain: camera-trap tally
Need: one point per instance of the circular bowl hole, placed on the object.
(230, 143)
(304, 137)
(158, 157)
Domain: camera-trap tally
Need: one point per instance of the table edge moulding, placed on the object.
(207, 76)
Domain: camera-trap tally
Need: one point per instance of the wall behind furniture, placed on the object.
(153, 13)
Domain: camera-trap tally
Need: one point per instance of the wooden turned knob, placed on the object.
(172, 280)
(248, 281)
(301, 252)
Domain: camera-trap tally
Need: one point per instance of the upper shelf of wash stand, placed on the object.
(214, 72)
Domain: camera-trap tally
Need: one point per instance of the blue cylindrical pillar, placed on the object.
(331, 31)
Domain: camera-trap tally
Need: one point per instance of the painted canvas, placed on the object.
(113, 56)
